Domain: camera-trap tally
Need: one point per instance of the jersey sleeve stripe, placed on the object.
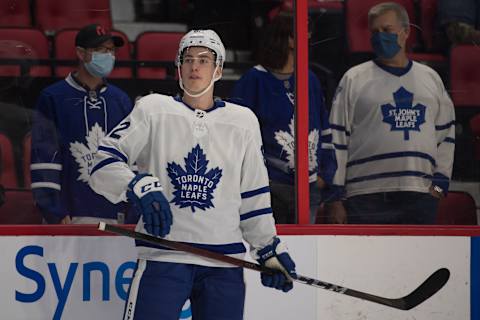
(445, 126)
(230, 248)
(449, 140)
(328, 146)
(255, 213)
(391, 175)
(393, 155)
(45, 166)
(114, 152)
(49, 185)
(252, 193)
(104, 163)
(339, 128)
(340, 146)
(45, 176)
(326, 132)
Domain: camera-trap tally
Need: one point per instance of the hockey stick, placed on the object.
(427, 289)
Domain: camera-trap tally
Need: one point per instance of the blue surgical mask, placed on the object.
(385, 44)
(101, 64)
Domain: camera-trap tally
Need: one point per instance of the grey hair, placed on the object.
(384, 7)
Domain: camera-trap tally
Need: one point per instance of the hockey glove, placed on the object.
(275, 256)
(145, 194)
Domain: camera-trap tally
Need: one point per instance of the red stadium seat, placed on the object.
(475, 128)
(53, 15)
(156, 46)
(19, 208)
(8, 175)
(457, 208)
(27, 154)
(428, 14)
(356, 20)
(15, 13)
(65, 50)
(25, 45)
(465, 75)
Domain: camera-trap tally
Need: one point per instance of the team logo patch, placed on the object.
(287, 141)
(84, 154)
(195, 184)
(404, 116)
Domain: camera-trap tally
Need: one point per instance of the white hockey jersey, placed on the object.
(393, 129)
(211, 166)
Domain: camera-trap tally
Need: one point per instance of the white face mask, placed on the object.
(101, 64)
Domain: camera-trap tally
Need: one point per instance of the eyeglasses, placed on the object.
(203, 61)
(102, 49)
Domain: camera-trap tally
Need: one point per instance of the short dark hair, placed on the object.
(273, 49)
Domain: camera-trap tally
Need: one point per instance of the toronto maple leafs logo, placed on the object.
(287, 141)
(84, 154)
(194, 185)
(404, 116)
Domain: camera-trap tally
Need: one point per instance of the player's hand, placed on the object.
(320, 183)
(145, 193)
(66, 220)
(336, 212)
(435, 193)
(275, 256)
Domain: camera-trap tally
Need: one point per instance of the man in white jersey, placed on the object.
(202, 181)
(393, 130)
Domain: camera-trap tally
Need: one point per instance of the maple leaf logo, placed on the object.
(194, 185)
(403, 116)
(84, 154)
(287, 141)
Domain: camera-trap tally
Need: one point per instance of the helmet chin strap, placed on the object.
(201, 93)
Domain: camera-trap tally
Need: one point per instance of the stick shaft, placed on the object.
(429, 287)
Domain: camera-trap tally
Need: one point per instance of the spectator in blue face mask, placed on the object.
(71, 116)
(393, 130)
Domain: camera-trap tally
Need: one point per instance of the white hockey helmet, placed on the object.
(202, 38)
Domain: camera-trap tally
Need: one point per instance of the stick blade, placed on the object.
(427, 289)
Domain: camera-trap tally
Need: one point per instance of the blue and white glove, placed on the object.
(145, 194)
(275, 256)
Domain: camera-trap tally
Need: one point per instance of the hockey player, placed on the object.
(71, 116)
(202, 181)
(393, 130)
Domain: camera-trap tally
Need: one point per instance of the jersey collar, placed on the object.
(397, 71)
(77, 84)
(217, 103)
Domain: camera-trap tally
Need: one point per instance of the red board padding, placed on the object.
(350, 230)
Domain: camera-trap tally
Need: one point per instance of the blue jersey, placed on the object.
(69, 121)
(272, 100)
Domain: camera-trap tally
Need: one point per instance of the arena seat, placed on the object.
(465, 75)
(15, 13)
(19, 208)
(25, 45)
(428, 15)
(54, 15)
(457, 207)
(475, 128)
(426, 25)
(27, 155)
(64, 43)
(8, 175)
(156, 46)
